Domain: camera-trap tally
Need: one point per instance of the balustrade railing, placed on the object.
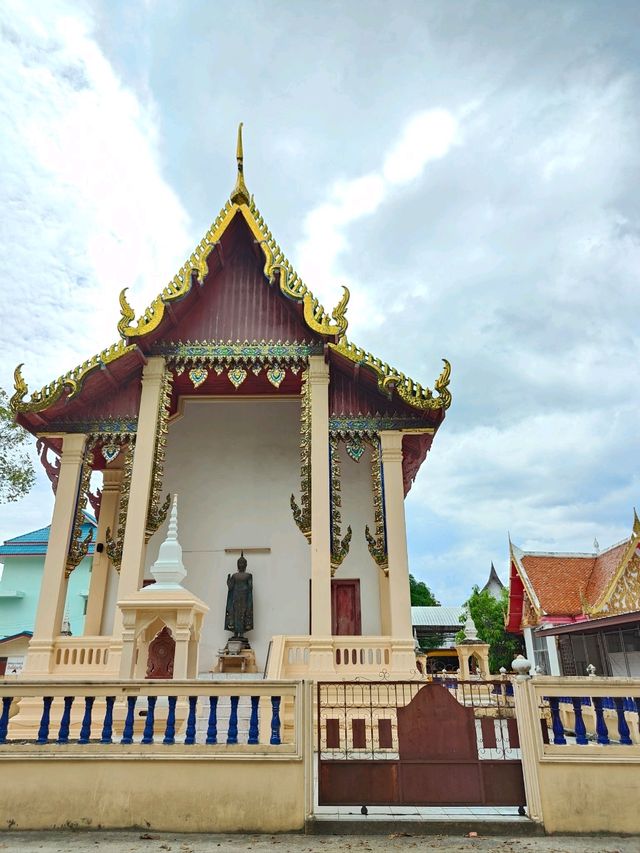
(148, 712)
(599, 711)
(81, 657)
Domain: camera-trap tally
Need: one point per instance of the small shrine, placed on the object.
(238, 391)
(162, 622)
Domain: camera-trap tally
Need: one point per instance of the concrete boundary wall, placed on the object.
(180, 793)
(113, 775)
(574, 788)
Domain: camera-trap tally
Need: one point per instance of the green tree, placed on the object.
(488, 614)
(421, 595)
(17, 474)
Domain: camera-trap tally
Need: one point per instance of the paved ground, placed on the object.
(155, 842)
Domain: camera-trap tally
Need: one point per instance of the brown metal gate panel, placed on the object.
(417, 743)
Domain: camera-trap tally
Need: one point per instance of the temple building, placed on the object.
(290, 451)
(494, 585)
(578, 611)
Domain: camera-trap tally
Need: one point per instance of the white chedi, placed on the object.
(168, 570)
(470, 630)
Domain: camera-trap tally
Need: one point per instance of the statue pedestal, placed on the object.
(244, 661)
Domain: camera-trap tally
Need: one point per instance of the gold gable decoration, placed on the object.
(70, 382)
(276, 268)
(622, 594)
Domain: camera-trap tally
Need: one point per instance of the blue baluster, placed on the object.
(4, 718)
(170, 731)
(107, 725)
(147, 734)
(190, 737)
(232, 734)
(623, 728)
(253, 722)
(636, 701)
(127, 734)
(63, 733)
(212, 728)
(601, 727)
(581, 729)
(43, 731)
(556, 722)
(275, 720)
(85, 729)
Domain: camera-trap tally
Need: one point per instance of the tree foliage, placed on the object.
(421, 595)
(488, 614)
(17, 474)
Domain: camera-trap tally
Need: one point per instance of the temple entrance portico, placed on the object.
(238, 392)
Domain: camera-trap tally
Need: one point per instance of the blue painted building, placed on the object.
(23, 560)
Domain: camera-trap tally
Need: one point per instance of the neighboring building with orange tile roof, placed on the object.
(576, 609)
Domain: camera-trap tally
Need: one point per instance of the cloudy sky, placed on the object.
(469, 169)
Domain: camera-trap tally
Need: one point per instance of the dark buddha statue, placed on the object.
(239, 613)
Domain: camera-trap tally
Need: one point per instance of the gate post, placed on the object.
(530, 734)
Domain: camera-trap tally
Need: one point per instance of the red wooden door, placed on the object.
(345, 608)
(162, 651)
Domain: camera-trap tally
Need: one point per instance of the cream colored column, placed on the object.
(385, 616)
(530, 736)
(320, 507)
(111, 480)
(53, 590)
(399, 597)
(134, 546)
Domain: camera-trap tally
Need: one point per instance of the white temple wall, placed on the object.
(234, 464)
(357, 511)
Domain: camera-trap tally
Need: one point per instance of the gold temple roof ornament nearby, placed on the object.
(278, 271)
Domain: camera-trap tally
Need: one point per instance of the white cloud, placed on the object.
(89, 211)
(426, 136)
(86, 210)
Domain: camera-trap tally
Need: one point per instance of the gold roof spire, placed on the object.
(240, 194)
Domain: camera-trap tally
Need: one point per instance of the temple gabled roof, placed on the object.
(118, 363)
(566, 586)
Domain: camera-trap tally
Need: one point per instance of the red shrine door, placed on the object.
(345, 608)
(162, 651)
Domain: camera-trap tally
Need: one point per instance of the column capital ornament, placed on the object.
(377, 541)
(116, 542)
(79, 548)
(302, 512)
(339, 544)
(157, 508)
(318, 370)
(154, 369)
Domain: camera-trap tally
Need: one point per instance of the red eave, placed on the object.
(516, 597)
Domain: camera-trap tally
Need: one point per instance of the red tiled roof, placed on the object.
(558, 581)
(604, 570)
(565, 583)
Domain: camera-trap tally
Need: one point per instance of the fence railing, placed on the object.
(289, 656)
(254, 716)
(602, 711)
(358, 719)
(81, 657)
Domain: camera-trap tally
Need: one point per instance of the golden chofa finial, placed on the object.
(240, 194)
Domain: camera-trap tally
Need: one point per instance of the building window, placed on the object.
(588, 648)
(541, 654)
